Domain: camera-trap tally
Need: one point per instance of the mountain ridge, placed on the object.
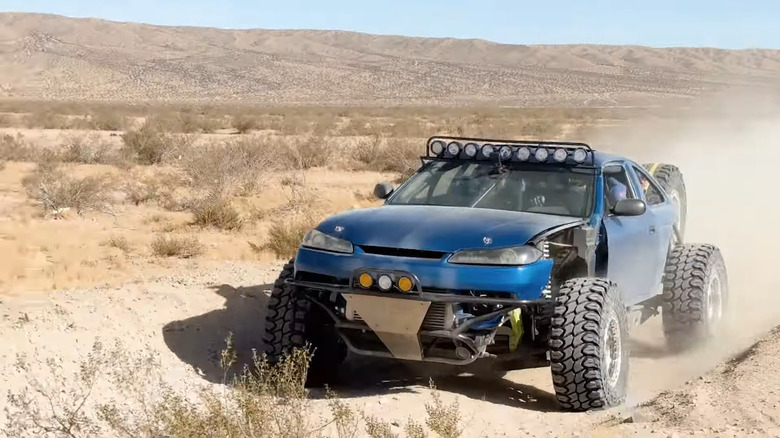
(55, 57)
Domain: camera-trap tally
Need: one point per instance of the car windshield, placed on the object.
(557, 190)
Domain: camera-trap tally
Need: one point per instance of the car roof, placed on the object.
(600, 158)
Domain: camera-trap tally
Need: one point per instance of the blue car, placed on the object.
(531, 254)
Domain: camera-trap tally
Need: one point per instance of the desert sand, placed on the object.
(65, 283)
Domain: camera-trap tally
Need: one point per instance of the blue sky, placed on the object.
(660, 23)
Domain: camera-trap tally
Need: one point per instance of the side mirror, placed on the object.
(630, 207)
(383, 190)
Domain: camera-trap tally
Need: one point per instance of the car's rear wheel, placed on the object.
(589, 350)
(671, 179)
(695, 296)
(293, 322)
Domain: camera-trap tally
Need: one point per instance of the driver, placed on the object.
(617, 192)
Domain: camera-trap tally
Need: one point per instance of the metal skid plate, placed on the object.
(395, 321)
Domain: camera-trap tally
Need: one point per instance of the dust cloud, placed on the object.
(728, 148)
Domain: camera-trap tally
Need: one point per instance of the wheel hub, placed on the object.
(714, 302)
(611, 350)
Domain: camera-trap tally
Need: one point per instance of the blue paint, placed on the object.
(637, 246)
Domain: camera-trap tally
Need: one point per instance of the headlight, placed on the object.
(514, 256)
(319, 240)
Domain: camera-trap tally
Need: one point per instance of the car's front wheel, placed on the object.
(589, 350)
(293, 322)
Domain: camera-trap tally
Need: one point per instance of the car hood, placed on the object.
(435, 228)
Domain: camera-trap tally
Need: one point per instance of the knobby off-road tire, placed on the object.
(589, 348)
(695, 294)
(293, 322)
(671, 179)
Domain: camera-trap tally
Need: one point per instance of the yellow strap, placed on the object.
(653, 168)
(517, 330)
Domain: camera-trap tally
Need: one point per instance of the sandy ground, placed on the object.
(184, 313)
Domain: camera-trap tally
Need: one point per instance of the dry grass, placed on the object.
(284, 237)
(150, 144)
(243, 124)
(55, 190)
(218, 212)
(119, 242)
(88, 150)
(239, 167)
(15, 148)
(259, 400)
(176, 246)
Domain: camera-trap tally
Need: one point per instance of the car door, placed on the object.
(662, 213)
(631, 240)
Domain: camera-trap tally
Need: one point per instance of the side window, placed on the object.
(617, 185)
(652, 193)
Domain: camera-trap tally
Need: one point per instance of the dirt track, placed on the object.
(186, 316)
(186, 320)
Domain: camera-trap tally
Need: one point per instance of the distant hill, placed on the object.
(54, 57)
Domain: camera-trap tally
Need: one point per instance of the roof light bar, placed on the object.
(579, 155)
(453, 148)
(569, 153)
(437, 147)
(505, 152)
(560, 155)
(524, 153)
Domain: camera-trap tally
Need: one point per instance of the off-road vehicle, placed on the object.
(530, 253)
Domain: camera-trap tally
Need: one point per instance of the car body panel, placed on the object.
(523, 282)
(420, 239)
(437, 228)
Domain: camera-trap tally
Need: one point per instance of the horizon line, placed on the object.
(388, 35)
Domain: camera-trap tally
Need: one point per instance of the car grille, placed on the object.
(402, 252)
(439, 317)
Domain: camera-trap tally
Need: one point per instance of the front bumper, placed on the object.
(396, 320)
(398, 323)
(519, 282)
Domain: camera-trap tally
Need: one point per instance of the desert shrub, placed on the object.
(310, 151)
(284, 236)
(88, 150)
(218, 212)
(15, 148)
(55, 190)
(442, 418)
(367, 150)
(107, 121)
(237, 167)
(244, 123)
(46, 119)
(173, 246)
(259, 400)
(160, 188)
(119, 242)
(149, 144)
(398, 155)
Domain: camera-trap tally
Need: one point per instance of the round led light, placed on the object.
(365, 280)
(470, 150)
(505, 152)
(487, 150)
(560, 155)
(437, 147)
(541, 154)
(384, 282)
(523, 154)
(453, 148)
(405, 284)
(580, 155)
